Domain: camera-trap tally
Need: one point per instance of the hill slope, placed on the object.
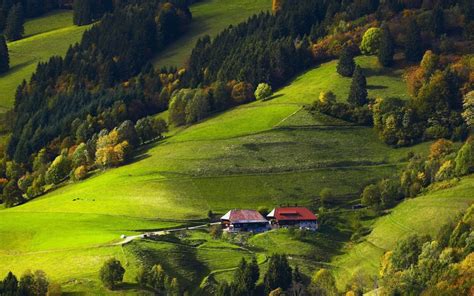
(49, 35)
(209, 18)
(260, 154)
(422, 215)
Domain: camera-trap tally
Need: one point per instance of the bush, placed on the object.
(263, 91)
(371, 41)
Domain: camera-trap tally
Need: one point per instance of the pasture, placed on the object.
(260, 154)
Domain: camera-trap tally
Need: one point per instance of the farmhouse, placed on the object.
(244, 220)
(293, 216)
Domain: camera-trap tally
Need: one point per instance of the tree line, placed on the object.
(30, 283)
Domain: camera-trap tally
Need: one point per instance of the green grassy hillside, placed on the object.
(45, 36)
(260, 154)
(209, 18)
(422, 215)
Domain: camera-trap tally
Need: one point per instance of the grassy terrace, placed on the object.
(45, 36)
(260, 154)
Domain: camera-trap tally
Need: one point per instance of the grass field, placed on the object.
(422, 215)
(44, 37)
(209, 18)
(260, 154)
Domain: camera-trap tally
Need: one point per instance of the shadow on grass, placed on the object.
(376, 87)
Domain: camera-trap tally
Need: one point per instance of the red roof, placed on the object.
(292, 213)
(243, 216)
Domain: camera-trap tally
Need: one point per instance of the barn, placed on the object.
(300, 217)
(244, 220)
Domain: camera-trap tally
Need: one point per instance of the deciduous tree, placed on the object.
(371, 41)
(263, 91)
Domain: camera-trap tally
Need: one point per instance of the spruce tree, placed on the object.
(386, 50)
(4, 57)
(437, 20)
(346, 64)
(82, 12)
(413, 47)
(358, 90)
(14, 28)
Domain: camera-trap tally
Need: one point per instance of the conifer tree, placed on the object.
(4, 57)
(14, 28)
(358, 90)
(82, 12)
(3, 19)
(346, 64)
(413, 47)
(437, 20)
(386, 50)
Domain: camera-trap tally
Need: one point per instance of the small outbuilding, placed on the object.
(244, 220)
(300, 217)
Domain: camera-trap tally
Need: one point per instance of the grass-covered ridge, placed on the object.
(48, 35)
(423, 215)
(209, 18)
(260, 154)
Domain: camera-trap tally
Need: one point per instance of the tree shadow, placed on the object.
(376, 87)
(272, 97)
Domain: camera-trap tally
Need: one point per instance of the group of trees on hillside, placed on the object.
(425, 266)
(80, 84)
(12, 23)
(74, 158)
(31, 283)
(104, 80)
(87, 11)
(443, 164)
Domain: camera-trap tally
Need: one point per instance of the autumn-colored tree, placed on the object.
(440, 148)
(323, 283)
(242, 93)
(277, 5)
(468, 109)
(59, 170)
(429, 64)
